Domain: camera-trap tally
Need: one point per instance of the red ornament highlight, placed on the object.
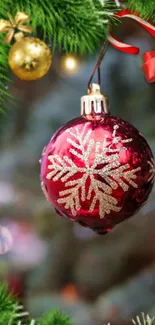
(149, 66)
(97, 172)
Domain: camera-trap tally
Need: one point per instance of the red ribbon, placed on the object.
(149, 57)
(149, 66)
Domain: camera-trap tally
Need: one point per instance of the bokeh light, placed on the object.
(69, 64)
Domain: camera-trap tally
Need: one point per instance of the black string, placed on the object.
(98, 63)
(99, 75)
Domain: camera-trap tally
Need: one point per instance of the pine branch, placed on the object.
(146, 8)
(7, 306)
(55, 317)
(73, 26)
(4, 68)
(6, 301)
(12, 313)
(144, 320)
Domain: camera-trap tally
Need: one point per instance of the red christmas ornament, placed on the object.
(97, 170)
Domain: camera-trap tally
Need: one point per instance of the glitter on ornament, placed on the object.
(96, 169)
(112, 172)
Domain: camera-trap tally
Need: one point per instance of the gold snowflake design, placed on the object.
(152, 170)
(113, 174)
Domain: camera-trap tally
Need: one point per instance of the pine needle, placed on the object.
(12, 313)
(143, 320)
(55, 317)
(146, 8)
(66, 21)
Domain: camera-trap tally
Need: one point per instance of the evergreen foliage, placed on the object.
(72, 26)
(12, 313)
(146, 8)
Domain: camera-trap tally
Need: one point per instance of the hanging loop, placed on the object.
(97, 65)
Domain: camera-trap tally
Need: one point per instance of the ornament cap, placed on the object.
(18, 36)
(94, 105)
(94, 89)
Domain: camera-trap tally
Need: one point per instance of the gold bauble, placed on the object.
(30, 58)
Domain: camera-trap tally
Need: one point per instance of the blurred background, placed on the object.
(54, 263)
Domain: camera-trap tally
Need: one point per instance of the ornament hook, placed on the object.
(94, 105)
(98, 63)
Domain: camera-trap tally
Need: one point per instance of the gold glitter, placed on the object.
(112, 172)
(152, 170)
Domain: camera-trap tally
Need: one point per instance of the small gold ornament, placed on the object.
(29, 58)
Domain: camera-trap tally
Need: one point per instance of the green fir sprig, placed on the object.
(4, 69)
(144, 320)
(72, 26)
(146, 8)
(12, 313)
(55, 317)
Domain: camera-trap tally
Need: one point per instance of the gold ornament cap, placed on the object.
(94, 105)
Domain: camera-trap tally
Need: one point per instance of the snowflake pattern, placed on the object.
(112, 173)
(152, 170)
